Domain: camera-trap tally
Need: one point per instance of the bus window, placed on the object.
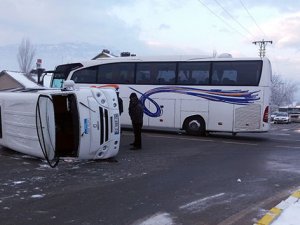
(243, 73)
(193, 73)
(165, 73)
(143, 73)
(156, 73)
(229, 77)
(87, 75)
(116, 73)
(249, 73)
(125, 73)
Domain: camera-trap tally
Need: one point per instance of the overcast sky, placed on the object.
(156, 27)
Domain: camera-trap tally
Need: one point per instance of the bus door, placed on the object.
(45, 124)
(220, 116)
(57, 122)
(167, 113)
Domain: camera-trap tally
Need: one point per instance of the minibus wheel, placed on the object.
(195, 125)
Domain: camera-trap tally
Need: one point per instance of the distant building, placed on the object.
(104, 54)
(10, 80)
(7, 82)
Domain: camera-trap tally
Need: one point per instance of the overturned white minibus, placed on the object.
(53, 123)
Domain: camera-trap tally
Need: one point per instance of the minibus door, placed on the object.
(45, 124)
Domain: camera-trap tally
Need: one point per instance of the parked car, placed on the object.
(273, 115)
(282, 117)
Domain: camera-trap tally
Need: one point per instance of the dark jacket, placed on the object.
(135, 110)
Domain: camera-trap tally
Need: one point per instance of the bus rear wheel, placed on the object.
(195, 125)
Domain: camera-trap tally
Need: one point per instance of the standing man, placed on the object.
(136, 115)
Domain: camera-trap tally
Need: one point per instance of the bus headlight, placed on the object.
(116, 123)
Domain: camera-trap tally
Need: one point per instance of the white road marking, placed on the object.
(200, 202)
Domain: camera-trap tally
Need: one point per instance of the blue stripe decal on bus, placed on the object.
(238, 97)
(86, 126)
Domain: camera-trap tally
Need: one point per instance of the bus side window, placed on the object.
(105, 74)
(143, 73)
(242, 73)
(182, 77)
(193, 73)
(116, 73)
(200, 77)
(215, 78)
(87, 75)
(229, 77)
(248, 73)
(224, 73)
(124, 73)
(165, 73)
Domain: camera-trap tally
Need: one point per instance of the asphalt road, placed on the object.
(174, 180)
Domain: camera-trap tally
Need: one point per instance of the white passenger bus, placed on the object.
(195, 94)
(54, 123)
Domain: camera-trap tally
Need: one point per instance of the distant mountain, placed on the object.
(51, 54)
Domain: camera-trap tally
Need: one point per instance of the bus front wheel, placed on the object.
(195, 125)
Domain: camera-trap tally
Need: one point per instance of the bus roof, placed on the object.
(178, 58)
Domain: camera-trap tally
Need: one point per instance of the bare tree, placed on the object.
(283, 91)
(215, 53)
(25, 56)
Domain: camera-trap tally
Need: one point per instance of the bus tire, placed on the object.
(194, 125)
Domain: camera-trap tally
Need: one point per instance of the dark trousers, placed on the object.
(137, 130)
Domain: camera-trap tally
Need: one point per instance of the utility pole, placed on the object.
(262, 47)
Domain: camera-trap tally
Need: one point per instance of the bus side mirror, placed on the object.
(69, 85)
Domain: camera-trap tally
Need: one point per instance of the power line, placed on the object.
(252, 17)
(262, 47)
(220, 18)
(241, 25)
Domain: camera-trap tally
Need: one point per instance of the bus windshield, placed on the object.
(61, 73)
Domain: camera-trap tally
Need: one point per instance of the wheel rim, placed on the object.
(194, 125)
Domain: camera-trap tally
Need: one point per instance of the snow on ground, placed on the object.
(38, 196)
(289, 216)
(157, 219)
